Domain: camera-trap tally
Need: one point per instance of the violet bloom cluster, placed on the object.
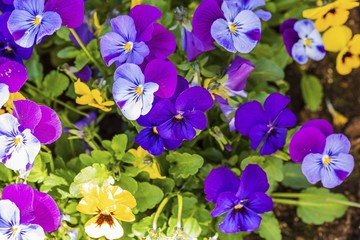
(26, 213)
(324, 155)
(265, 126)
(243, 200)
(137, 37)
(32, 20)
(302, 40)
(231, 23)
(175, 119)
(22, 133)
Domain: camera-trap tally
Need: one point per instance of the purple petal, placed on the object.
(49, 128)
(84, 74)
(286, 119)
(257, 135)
(218, 181)
(172, 144)
(23, 197)
(47, 213)
(238, 72)
(150, 141)
(253, 179)
(85, 122)
(71, 12)
(225, 202)
(259, 202)
(263, 15)
(274, 140)
(221, 33)
(182, 85)
(163, 111)
(274, 104)
(28, 113)
(162, 43)
(227, 110)
(205, 15)
(196, 118)
(84, 33)
(290, 37)
(243, 220)
(252, 4)
(188, 100)
(144, 17)
(12, 74)
(287, 24)
(193, 46)
(249, 115)
(324, 126)
(311, 167)
(306, 140)
(164, 74)
(177, 129)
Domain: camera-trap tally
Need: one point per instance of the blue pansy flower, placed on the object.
(18, 146)
(11, 226)
(243, 200)
(266, 126)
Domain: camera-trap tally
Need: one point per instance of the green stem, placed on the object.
(158, 212)
(83, 47)
(180, 208)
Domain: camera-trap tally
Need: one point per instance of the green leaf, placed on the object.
(5, 173)
(192, 227)
(55, 84)
(147, 196)
(319, 205)
(267, 70)
(293, 176)
(270, 228)
(128, 183)
(184, 164)
(68, 52)
(63, 33)
(312, 91)
(271, 165)
(52, 181)
(39, 172)
(140, 228)
(96, 174)
(81, 60)
(34, 68)
(118, 144)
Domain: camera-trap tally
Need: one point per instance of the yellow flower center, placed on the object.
(8, 49)
(37, 20)
(155, 130)
(307, 42)
(179, 116)
(128, 46)
(326, 160)
(232, 27)
(17, 140)
(239, 206)
(15, 229)
(139, 90)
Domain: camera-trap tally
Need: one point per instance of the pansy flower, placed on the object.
(302, 40)
(32, 20)
(8, 47)
(182, 117)
(331, 14)
(134, 91)
(109, 204)
(36, 208)
(243, 200)
(233, 25)
(266, 126)
(136, 37)
(324, 155)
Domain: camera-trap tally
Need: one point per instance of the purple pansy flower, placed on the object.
(243, 200)
(182, 117)
(232, 24)
(32, 20)
(43, 121)
(18, 146)
(8, 48)
(267, 125)
(12, 74)
(136, 37)
(193, 46)
(325, 156)
(134, 90)
(35, 207)
(302, 40)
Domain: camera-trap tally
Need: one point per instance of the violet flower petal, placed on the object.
(28, 113)
(286, 119)
(162, 43)
(12, 74)
(311, 167)
(188, 100)
(323, 125)
(253, 179)
(259, 202)
(274, 104)
(249, 115)
(218, 181)
(225, 202)
(275, 139)
(71, 12)
(236, 221)
(194, 46)
(238, 73)
(49, 128)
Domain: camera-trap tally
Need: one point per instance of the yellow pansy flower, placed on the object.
(92, 98)
(145, 163)
(336, 38)
(332, 14)
(349, 57)
(9, 106)
(135, 2)
(109, 204)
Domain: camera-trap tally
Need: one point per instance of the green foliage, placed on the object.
(147, 196)
(293, 177)
(269, 228)
(312, 91)
(183, 164)
(55, 84)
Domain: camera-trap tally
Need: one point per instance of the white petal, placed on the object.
(9, 214)
(4, 94)
(9, 124)
(32, 232)
(32, 145)
(97, 231)
(132, 108)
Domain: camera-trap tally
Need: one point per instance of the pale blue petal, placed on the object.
(315, 52)
(131, 72)
(304, 28)
(298, 52)
(311, 167)
(329, 178)
(222, 35)
(263, 15)
(112, 48)
(32, 232)
(335, 144)
(148, 96)
(124, 26)
(230, 10)
(35, 7)
(343, 165)
(8, 125)
(138, 53)
(51, 21)
(21, 26)
(9, 215)
(4, 94)
(132, 108)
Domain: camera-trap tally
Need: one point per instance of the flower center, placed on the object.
(326, 160)
(155, 130)
(139, 90)
(179, 115)
(17, 140)
(37, 20)
(232, 27)
(307, 42)
(8, 49)
(105, 218)
(239, 206)
(15, 230)
(128, 46)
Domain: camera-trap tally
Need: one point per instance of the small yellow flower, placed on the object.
(109, 204)
(135, 2)
(332, 14)
(338, 118)
(9, 106)
(145, 163)
(92, 98)
(349, 57)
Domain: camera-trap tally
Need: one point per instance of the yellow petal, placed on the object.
(108, 103)
(135, 2)
(318, 12)
(125, 198)
(124, 213)
(88, 205)
(84, 100)
(340, 17)
(354, 44)
(336, 38)
(81, 88)
(342, 66)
